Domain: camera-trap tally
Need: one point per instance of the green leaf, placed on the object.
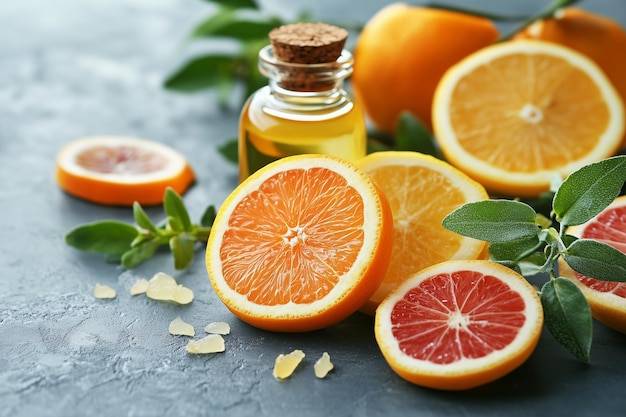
(411, 135)
(567, 316)
(174, 224)
(138, 254)
(208, 217)
(142, 219)
(253, 78)
(493, 220)
(229, 150)
(514, 250)
(209, 71)
(229, 24)
(375, 145)
(536, 263)
(587, 191)
(108, 236)
(182, 247)
(236, 4)
(511, 265)
(596, 260)
(175, 208)
(113, 258)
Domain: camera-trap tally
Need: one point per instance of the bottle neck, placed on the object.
(306, 84)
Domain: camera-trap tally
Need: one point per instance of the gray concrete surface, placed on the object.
(72, 68)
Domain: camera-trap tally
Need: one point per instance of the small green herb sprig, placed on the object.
(132, 244)
(531, 244)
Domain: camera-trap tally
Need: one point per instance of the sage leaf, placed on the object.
(536, 263)
(229, 150)
(587, 191)
(208, 217)
(208, 71)
(182, 247)
(511, 265)
(596, 260)
(107, 237)
(175, 209)
(411, 135)
(514, 250)
(567, 316)
(142, 219)
(493, 220)
(236, 4)
(138, 254)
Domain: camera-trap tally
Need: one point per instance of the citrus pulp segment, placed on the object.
(459, 324)
(300, 244)
(120, 170)
(421, 191)
(599, 37)
(607, 300)
(516, 114)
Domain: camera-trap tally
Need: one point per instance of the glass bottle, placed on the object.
(303, 109)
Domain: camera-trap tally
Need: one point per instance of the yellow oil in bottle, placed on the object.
(267, 134)
(304, 109)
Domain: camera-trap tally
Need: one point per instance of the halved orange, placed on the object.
(401, 54)
(120, 170)
(301, 244)
(421, 190)
(598, 37)
(515, 115)
(607, 300)
(459, 324)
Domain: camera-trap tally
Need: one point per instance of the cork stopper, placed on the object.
(308, 43)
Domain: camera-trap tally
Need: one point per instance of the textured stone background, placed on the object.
(71, 68)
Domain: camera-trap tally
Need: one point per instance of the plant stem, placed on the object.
(479, 13)
(546, 12)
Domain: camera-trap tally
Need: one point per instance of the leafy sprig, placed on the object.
(242, 22)
(132, 244)
(532, 244)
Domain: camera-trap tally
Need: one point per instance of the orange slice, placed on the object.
(301, 244)
(607, 300)
(119, 170)
(459, 324)
(516, 114)
(421, 190)
(598, 37)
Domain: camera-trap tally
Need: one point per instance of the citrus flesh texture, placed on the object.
(301, 244)
(120, 170)
(514, 116)
(606, 299)
(421, 191)
(403, 51)
(459, 324)
(598, 37)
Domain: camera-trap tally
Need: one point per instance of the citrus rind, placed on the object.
(532, 183)
(353, 288)
(407, 219)
(120, 188)
(606, 307)
(465, 373)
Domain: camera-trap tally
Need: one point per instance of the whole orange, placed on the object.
(403, 51)
(600, 38)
